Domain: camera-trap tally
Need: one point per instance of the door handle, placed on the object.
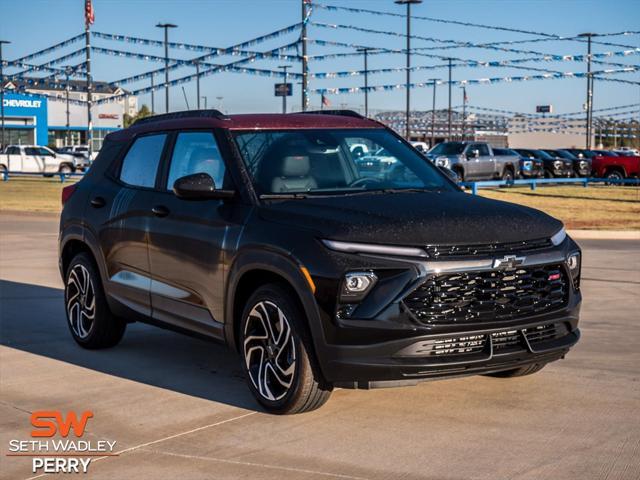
(98, 202)
(160, 211)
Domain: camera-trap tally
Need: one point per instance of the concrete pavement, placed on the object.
(178, 407)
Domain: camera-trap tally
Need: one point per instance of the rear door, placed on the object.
(487, 163)
(32, 161)
(187, 239)
(120, 209)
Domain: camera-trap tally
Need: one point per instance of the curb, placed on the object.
(604, 234)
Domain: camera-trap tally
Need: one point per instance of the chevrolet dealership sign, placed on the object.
(22, 103)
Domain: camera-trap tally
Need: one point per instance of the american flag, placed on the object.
(325, 101)
(89, 16)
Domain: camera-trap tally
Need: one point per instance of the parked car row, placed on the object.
(37, 159)
(480, 161)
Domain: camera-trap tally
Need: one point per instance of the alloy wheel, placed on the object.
(269, 351)
(81, 301)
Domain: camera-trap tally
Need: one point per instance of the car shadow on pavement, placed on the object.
(32, 319)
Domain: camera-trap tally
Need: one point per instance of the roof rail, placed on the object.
(343, 113)
(184, 114)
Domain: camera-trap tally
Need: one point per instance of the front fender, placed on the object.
(286, 266)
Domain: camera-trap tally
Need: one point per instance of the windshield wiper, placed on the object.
(280, 196)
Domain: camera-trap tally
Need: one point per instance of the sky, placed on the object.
(32, 25)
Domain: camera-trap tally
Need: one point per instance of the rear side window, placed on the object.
(140, 165)
(196, 152)
(484, 150)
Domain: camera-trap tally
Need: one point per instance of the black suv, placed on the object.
(261, 232)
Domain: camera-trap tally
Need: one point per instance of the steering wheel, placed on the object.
(362, 181)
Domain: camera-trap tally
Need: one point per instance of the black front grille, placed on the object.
(471, 297)
(441, 251)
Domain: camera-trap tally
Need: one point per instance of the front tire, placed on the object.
(277, 358)
(90, 321)
(519, 372)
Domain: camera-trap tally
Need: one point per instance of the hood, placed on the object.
(416, 219)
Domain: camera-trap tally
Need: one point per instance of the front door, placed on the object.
(187, 239)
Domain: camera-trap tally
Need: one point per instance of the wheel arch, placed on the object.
(254, 268)
(615, 168)
(76, 239)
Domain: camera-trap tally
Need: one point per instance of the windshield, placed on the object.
(448, 148)
(542, 155)
(322, 162)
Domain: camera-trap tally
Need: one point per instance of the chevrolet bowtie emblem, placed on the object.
(508, 261)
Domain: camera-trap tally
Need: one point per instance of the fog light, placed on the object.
(357, 284)
(573, 263)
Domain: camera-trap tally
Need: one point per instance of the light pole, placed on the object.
(67, 71)
(588, 36)
(166, 27)
(2, 42)
(205, 101)
(365, 51)
(433, 112)
(153, 95)
(408, 3)
(284, 97)
(464, 112)
(305, 63)
(198, 83)
(449, 113)
(220, 103)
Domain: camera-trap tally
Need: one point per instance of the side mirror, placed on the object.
(476, 153)
(199, 186)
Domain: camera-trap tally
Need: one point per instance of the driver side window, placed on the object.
(196, 152)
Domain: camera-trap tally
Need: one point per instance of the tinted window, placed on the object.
(141, 162)
(13, 151)
(196, 152)
(324, 162)
(448, 148)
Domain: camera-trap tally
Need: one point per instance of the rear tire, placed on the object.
(519, 372)
(614, 175)
(3, 172)
(277, 357)
(65, 168)
(90, 321)
(507, 175)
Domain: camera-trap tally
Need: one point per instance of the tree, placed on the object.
(130, 120)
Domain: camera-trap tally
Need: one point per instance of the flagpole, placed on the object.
(87, 36)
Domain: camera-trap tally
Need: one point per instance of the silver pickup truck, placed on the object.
(474, 161)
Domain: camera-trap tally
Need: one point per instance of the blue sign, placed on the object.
(30, 107)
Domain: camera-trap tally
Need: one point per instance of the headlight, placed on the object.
(356, 285)
(573, 264)
(583, 165)
(527, 164)
(442, 162)
(559, 237)
(557, 164)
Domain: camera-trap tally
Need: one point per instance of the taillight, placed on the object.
(67, 192)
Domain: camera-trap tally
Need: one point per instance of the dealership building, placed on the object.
(38, 113)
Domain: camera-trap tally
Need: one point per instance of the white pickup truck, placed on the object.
(35, 159)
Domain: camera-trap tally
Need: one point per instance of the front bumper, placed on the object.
(410, 361)
(387, 348)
